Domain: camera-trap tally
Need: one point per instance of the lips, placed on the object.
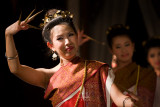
(125, 55)
(69, 48)
(157, 63)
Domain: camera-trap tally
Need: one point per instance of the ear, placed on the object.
(50, 45)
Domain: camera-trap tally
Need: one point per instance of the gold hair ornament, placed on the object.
(117, 26)
(58, 13)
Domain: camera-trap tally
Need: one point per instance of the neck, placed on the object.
(64, 61)
(157, 72)
(121, 64)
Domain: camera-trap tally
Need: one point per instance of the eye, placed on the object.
(117, 47)
(152, 55)
(127, 44)
(71, 34)
(59, 38)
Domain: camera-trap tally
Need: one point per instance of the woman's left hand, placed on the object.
(82, 38)
(137, 102)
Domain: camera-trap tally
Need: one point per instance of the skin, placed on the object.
(153, 58)
(122, 49)
(65, 43)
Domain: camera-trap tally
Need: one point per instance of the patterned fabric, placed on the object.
(157, 94)
(126, 78)
(64, 85)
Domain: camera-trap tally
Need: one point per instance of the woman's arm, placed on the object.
(27, 74)
(122, 100)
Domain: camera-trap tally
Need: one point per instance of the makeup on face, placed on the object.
(154, 57)
(64, 40)
(122, 47)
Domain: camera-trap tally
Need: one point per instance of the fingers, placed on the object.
(84, 38)
(133, 96)
(33, 16)
(34, 27)
(137, 102)
(19, 20)
(26, 20)
(23, 25)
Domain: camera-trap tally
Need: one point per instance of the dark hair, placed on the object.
(152, 43)
(117, 30)
(55, 21)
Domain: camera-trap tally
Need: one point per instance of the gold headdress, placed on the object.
(52, 15)
(115, 27)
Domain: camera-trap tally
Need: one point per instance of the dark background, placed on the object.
(33, 51)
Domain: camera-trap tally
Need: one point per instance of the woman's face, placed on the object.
(154, 57)
(122, 48)
(64, 40)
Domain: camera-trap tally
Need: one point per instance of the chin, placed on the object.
(157, 67)
(70, 56)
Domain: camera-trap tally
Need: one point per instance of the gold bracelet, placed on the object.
(124, 101)
(11, 58)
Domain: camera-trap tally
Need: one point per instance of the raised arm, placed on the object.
(27, 74)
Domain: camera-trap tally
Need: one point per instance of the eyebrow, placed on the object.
(57, 36)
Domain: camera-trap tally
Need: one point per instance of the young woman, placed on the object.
(153, 57)
(74, 81)
(129, 75)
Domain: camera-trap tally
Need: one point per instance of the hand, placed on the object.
(114, 61)
(16, 27)
(136, 101)
(82, 38)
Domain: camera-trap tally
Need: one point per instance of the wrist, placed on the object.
(8, 34)
(127, 102)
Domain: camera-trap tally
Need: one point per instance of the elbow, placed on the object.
(14, 69)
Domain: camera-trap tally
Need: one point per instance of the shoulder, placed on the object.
(48, 70)
(146, 71)
(95, 62)
(98, 65)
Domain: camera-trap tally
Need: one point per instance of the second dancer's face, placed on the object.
(65, 41)
(122, 48)
(154, 57)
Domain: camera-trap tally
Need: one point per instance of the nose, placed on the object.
(123, 49)
(67, 41)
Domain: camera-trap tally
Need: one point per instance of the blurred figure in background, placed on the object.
(128, 75)
(152, 48)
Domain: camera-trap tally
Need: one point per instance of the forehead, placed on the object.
(120, 39)
(154, 50)
(61, 29)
